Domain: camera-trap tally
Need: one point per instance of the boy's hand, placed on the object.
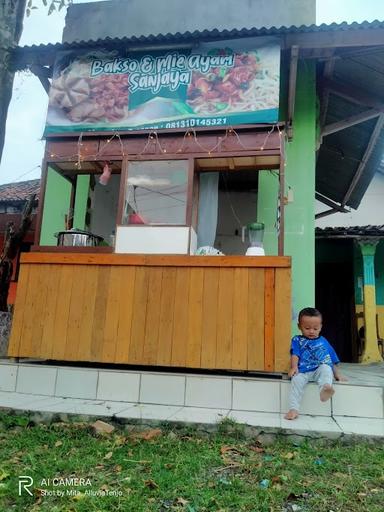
(341, 378)
(292, 372)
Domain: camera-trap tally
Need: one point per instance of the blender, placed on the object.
(255, 235)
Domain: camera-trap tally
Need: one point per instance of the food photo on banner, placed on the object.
(227, 83)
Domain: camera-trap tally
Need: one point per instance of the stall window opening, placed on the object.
(156, 193)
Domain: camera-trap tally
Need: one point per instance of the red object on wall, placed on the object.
(135, 218)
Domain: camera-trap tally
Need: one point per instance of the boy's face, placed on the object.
(310, 326)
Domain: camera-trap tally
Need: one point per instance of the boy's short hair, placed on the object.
(309, 312)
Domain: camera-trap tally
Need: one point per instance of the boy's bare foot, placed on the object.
(292, 414)
(326, 392)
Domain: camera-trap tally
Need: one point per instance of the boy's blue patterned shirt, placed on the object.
(313, 352)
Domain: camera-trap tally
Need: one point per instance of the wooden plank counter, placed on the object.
(212, 312)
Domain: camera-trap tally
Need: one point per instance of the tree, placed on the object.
(11, 25)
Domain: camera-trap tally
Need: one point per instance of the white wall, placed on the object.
(152, 240)
(125, 18)
(370, 211)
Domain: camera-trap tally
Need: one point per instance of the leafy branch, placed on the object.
(51, 5)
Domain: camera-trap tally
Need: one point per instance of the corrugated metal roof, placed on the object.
(350, 232)
(186, 37)
(341, 153)
(20, 191)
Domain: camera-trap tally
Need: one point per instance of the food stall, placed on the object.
(150, 159)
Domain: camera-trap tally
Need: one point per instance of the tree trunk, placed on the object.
(11, 25)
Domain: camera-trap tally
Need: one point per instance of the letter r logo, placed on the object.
(24, 483)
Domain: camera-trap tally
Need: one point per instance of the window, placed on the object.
(156, 193)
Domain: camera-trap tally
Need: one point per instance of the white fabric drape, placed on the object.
(208, 208)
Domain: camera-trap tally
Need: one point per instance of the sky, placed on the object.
(23, 150)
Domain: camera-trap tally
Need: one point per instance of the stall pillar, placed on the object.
(371, 352)
(300, 175)
(300, 165)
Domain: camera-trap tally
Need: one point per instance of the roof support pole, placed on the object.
(350, 121)
(326, 213)
(329, 202)
(371, 144)
(329, 66)
(280, 242)
(292, 89)
(371, 352)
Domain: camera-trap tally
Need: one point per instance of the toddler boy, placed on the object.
(312, 358)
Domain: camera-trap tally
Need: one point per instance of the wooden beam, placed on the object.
(329, 67)
(42, 75)
(371, 144)
(292, 89)
(326, 213)
(350, 121)
(67, 257)
(336, 38)
(281, 234)
(330, 203)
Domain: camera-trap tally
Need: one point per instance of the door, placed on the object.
(335, 295)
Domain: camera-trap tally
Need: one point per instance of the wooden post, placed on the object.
(281, 197)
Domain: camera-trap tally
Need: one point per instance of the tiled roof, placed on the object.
(21, 191)
(350, 232)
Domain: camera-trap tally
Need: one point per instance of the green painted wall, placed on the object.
(300, 177)
(56, 206)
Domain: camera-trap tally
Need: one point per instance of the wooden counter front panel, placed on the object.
(197, 317)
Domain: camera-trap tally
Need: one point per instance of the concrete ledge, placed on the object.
(262, 426)
(36, 380)
(8, 376)
(231, 393)
(76, 383)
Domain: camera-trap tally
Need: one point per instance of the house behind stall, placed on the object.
(13, 197)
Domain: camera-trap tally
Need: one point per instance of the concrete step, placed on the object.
(178, 390)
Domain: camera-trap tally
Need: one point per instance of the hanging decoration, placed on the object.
(153, 139)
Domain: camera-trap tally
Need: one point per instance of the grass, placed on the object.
(183, 470)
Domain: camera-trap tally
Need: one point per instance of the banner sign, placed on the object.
(217, 84)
